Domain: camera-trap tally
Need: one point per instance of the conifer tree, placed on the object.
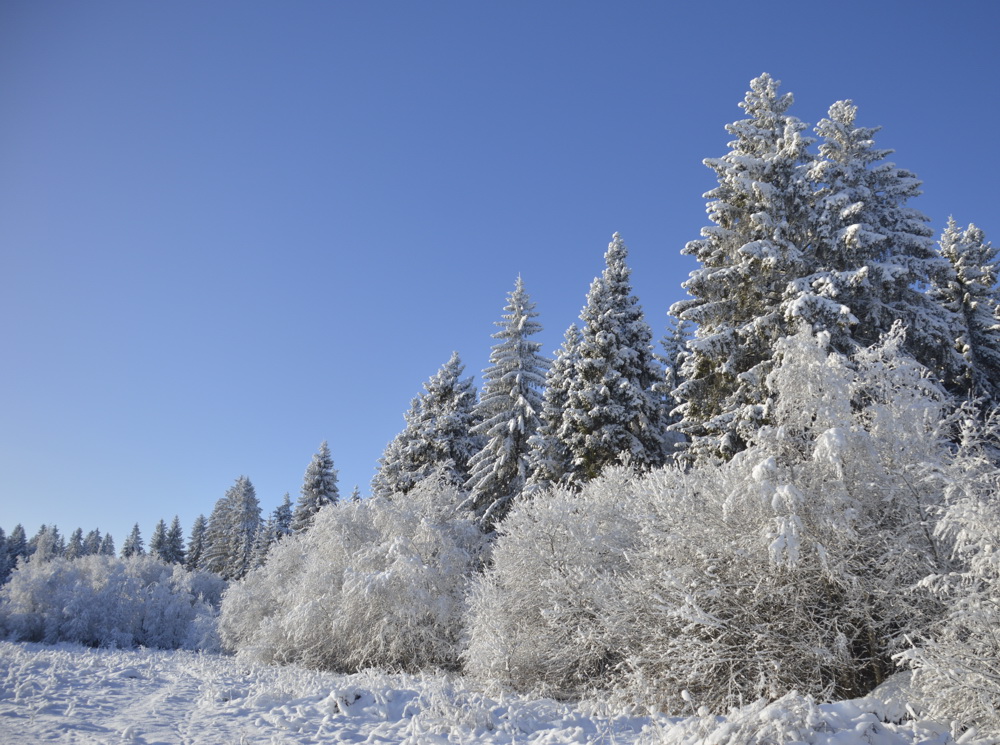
(92, 543)
(158, 542)
(438, 435)
(356, 494)
(107, 545)
(74, 548)
(508, 412)
(174, 553)
(282, 517)
(611, 411)
(967, 289)
(549, 457)
(749, 255)
(46, 544)
(17, 544)
(196, 544)
(5, 561)
(133, 545)
(870, 252)
(231, 531)
(319, 488)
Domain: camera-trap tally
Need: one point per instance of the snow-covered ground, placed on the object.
(77, 695)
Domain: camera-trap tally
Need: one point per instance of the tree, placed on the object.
(967, 289)
(231, 531)
(870, 253)
(319, 488)
(174, 553)
(356, 494)
(438, 434)
(6, 564)
(46, 544)
(74, 549)
(612, 412)
(133, 545)
(748, 257)
(107, 545)
(92, 543)
(17, 544)
(549, 456)
(282, 517)
(508, 412)
(158, 542)
(196, 543)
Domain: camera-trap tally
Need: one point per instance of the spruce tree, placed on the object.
(549, 457)
(508, 412)
(196, 544)
(612, 413)
(133, 545)
(749, 255)
(319, 488)
(231, 531)
(107, 545)
(92, 543)
(968, 290)
(74, 548)
(870, 253)
(158, 542)
(438, 435)
(174, 553)
(17, 544)
(356, 494)
(5, 561)
(282, 518)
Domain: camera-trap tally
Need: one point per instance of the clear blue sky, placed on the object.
(231, 230)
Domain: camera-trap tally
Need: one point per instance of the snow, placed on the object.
(75, 694)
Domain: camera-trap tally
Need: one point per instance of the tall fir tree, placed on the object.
(356, 494)
(549, 457)
(196, 544)
(508, 412)
(158, 542)
(92, 543)
(612, 413)
(871, 254)
(174, 550)
(231, 531)
(17, 544)
(74, 547)
(133, 545)
(282, 517)
(438, 435)
(6, 565)
(968, 289)
(107, 545)
(319, 488)
(749, 255)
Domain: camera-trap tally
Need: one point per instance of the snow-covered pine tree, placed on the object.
(158, 541)
(5, 562)
(508, 412)
(196, 544)
(356, 494)
(282, 517)
(46, 544)
(92, 543)
(612, 413)
(967, 289)
(231, 531)
(74, 548)
(266, 537)
(133, 545)
(107, 545)
(174, 553)
(319, 488)
(549, 457)
(438, 435)
(760, 211)
(17, 544)
(870, 253)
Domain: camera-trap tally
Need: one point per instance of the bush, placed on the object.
(101, 601)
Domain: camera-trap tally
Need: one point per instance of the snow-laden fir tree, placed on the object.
(231, 531)
(612, 413)
(438, 435)
(508, 411)
(5, 561)
(748, 257)
(968, 289)
(158, 542)
(74, 547)
(174, 550)
(549, 457)
(17, 545)
(92, 543)
(870, 252)
(196, 544)
(133, 545)
(107, 545)
(46, 544)
(319, 488)
(282, 517)
(356, 494)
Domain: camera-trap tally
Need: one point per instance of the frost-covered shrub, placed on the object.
(374, 583)
(543, 616)
(957, 663)
(108, 602)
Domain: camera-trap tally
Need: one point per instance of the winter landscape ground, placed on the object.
(73, 694)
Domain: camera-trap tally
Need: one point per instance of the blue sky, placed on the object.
(232, 230)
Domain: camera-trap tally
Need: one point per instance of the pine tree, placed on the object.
(17, 545)
(967, 289)
(319, 488)
(158, 542)
(282, 517)
(74, 548)
(612, 412)
(92, 543)
(508, 412)
(196, 544)
(870, 252)
(5, 561)
(748, 257)
(46, 544)
(438, 435)
(133, 545)
(174, 553)
(231, 531)
(356, 494)
(107, 545)
(549, 457)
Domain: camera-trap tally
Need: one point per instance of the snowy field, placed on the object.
(71, 694)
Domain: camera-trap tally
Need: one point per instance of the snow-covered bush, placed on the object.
(108, 602)
(957, 664)
(542, 615)
(374, 583)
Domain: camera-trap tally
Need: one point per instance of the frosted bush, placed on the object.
(102, 601)
(374, 583)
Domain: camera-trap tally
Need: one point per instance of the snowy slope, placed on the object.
(78, 695)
